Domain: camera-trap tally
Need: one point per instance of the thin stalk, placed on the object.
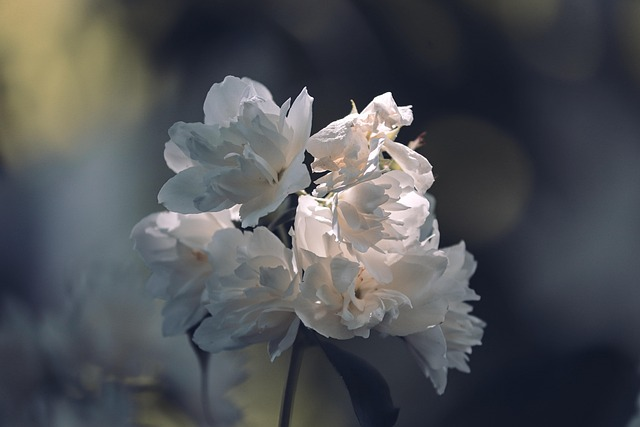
(295, 362)
(203, 363)
(204, 391)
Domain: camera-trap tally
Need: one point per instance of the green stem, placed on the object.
(292, 381)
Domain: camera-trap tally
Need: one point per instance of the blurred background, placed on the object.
(531, 112)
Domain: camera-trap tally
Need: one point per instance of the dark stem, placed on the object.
(284, 217)
(292, 380)
(203, 363)
(280, 223)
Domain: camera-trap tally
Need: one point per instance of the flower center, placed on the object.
(363, 284)
(199, 255)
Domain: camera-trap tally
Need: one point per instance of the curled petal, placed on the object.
(412, 163)
(388, 116)
(225, 98)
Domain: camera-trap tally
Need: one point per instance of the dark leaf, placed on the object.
(367, 388)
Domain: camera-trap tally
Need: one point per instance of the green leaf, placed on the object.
(369, 392)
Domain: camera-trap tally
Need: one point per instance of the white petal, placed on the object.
(175, 158)
(311, 222)
(224, 99)
(295, 178)
(299, 118)
(430, 350)
(261, 90)
(201, 143)
(222, 250)
(388, 113)
(411, 162)
(277, 346)
(326, 323)
(406, 115)
(263, 242)
(179, 193)
(343, 273)
(328, 142)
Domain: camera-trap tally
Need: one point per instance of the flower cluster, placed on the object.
(362, 251)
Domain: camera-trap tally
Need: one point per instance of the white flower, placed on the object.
(422, 299)
(174, 246)
(251, 293)
(340, 298)
(248, 152)
(350, 148)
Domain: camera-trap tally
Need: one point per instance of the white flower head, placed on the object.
(341, 298)
(350, 148)
(248, 152)
(421, 299)
(174, 247)
(251, 293)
